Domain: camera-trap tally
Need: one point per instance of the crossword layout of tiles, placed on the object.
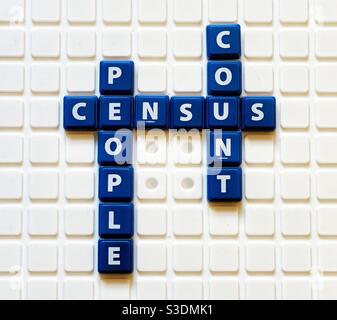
(115, 110)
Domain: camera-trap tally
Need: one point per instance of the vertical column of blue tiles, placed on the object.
(224, 79)
(116, 175)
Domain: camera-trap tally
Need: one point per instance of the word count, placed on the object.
(116, 113)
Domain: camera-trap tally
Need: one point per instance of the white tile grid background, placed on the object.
(280, 243)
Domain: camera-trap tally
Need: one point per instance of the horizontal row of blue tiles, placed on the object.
(115, 112)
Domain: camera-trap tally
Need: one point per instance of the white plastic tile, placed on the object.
(221, 289)
(259, 78)
(79, 184)
(187, 43)
(152, 184)
(325, 79)
(151, 147)
(295, 149)
(46, 11)
(326, 115)
(78, 289)
(11, 184)
(12, 11)
(296, 257)
(11, 151)
(327, 257)
(224, 221)
(294, 79)
(188, 11)
(11, 261)
(187, 220)
(152, 77)
(292, 12)
(42, 289)
(79, 221)
(258, 11)
(223, 257)
(81, 11)
(259, 184)
(151, 256)
(259, 149)
(188, 289)
(151, 220)
(10, 289)
(295, 185)
(117, 42)
(79, 257)
(44, 113)
(260, 220)
(326, 220)
(187, 185)
(45, 78)
(188, 78)
(260, 257)
(152, 43)
(115, 11)
(80, 148)
(223, 10)
(324, 49)
(42, 257)
(260, 290)
(325, 149)
(11, 113)
(152, 11)
(12, 80)
(294, 44)
(81, 77)
(296, 221)
(81, 43)
(325, 11)
(39, 39)
(44, 149)
(296, 289)
(13, 43)
(11, 220)
(259, 43)
(43, 221)
(151, 289)
(188, 256)
(43, 185)
(295, 114)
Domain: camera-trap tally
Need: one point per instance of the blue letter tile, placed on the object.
(115, 112)
(223, 113)
(115, 184)
(80, 113)
(224, 148)
(117, 78)
(223, 42)
(187, 112)
(115, 147)
(152, 111)
(258, 113)
(115, 256)
(116, 220)
(224, 78)
(224, 185)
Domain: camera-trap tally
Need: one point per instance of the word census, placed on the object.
(223, 114)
